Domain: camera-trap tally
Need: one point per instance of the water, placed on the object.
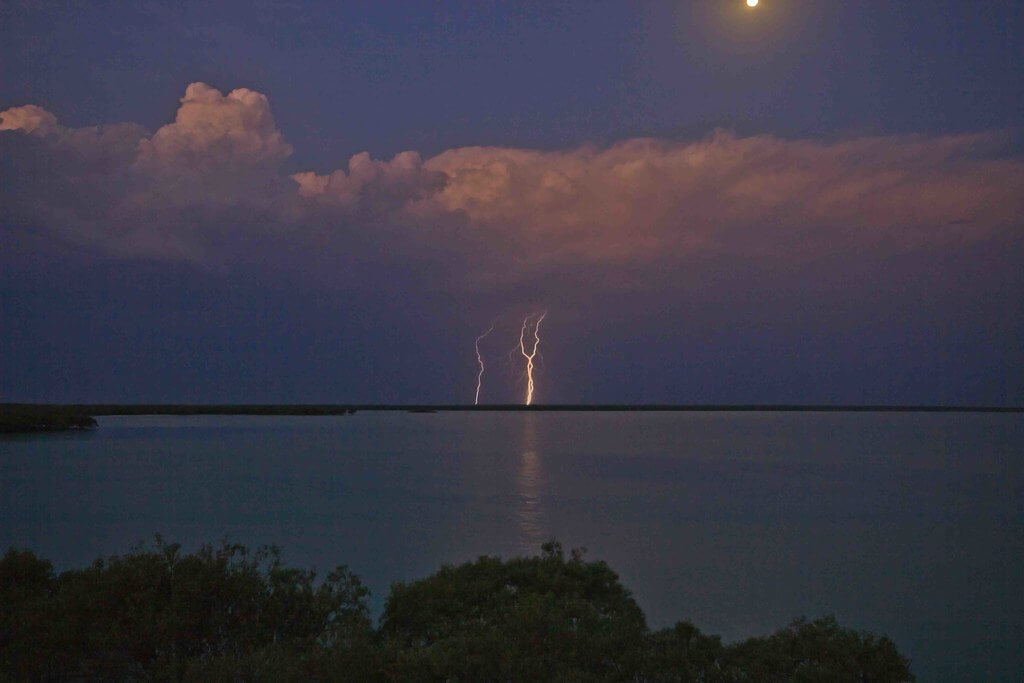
(904, 524)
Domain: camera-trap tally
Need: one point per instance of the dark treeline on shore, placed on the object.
(34, 417)
(22, 421)
(350, 408)
(230, 614)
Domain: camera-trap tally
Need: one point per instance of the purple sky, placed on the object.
(807, 202)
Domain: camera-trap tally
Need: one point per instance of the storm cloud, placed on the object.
(209, 188)
(868, 268)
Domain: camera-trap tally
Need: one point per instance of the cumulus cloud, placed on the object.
(216, 130)
(209, 187)
(189, 191)
(394, 182)
(757, 194)
(91, 144)
(29, 119)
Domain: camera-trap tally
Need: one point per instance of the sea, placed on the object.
(904, 524)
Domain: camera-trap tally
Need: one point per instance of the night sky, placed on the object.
(806, 202)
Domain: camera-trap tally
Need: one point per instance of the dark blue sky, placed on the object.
(854, 238)
(387, 76)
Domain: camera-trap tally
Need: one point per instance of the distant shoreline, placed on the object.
(21, 420)
(110, 409)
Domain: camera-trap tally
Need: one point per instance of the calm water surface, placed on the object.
(907, 524)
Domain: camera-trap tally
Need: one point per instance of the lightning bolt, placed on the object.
(532, 354)
(480, 362)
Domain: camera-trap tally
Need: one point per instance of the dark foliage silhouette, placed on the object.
(230, 614)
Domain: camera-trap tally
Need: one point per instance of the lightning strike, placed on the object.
(532, 354)
(480, 362)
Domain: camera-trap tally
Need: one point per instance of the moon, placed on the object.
(752, 3)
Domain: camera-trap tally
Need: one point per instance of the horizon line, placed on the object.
(107, 409)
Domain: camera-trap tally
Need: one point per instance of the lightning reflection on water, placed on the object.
(529, 486)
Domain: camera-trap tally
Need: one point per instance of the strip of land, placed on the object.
(104, 409)
(17, 420)
(48, 417)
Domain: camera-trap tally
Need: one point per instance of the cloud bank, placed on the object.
(209, 189)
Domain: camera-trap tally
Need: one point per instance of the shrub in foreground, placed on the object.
(161, 613)
(537, 618)
(228, 614)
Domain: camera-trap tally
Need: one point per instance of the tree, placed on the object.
(26, 592)
(228, 614)
(682, 654)
(536, 618)
(819, 650)
(159, 612)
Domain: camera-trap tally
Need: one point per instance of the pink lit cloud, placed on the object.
(209, 185)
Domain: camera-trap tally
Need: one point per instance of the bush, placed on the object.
(228, 614)
(534, 618)
(158, 612)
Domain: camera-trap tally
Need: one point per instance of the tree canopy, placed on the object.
(227, 613)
